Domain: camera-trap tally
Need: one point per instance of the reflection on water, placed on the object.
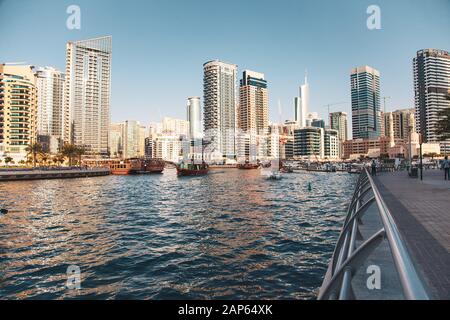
(230, 234)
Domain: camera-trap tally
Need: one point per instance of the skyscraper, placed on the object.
(402, 123)
(387, 129)
(131, 139)
(339, 122)
(253, 114)
(116, 140)
(50, 85)
(365, 94)
(87, 94)
(431, 86)
(18, 106)
(194, 117)
(219, 110)
(301, 104)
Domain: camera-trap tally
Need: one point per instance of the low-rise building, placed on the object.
(309, 143)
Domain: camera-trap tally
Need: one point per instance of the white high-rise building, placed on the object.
(339, 122)
(219, 99)
(194, 116)
(50, 85)
(130, 138)
(331, 144)
(143, 134)
(431, 91)
(177, 127)
(301, 104)
(87, 93)
(116, 140)
(168, 147)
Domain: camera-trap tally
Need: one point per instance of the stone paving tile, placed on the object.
(421, 210)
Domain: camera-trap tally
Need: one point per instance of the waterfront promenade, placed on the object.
(15, 175)
(421, 210)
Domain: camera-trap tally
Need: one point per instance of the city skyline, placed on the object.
(328, 80)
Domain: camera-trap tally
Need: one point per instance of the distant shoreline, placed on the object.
(23, 175)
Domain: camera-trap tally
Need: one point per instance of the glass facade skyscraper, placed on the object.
(365, 95)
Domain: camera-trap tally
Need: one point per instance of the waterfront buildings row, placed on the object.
(47, 105)
(42, 104)
(398, 133)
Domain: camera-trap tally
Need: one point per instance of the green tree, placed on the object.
(443, 123)
(34, 149)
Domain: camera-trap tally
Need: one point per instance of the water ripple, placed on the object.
(230, 235)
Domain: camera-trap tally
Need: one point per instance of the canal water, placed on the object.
(229, 235)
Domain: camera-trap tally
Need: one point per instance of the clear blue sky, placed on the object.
(159, 47)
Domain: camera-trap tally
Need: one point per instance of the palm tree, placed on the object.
(44, 157)
(60, 157)
(34, 149)
(80, 151)
(443, 124)
(69, 151)
(55, 160)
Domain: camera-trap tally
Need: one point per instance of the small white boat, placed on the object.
(274, 175)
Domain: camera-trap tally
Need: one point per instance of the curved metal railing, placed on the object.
(348, 257)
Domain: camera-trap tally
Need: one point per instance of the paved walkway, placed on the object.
(421, 210)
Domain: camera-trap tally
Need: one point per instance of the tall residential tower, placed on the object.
(219, 108)
(87, 93)
(18, 108)
(50, 85)
(431, 88)
(253, 114)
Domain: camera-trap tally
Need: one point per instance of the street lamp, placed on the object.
(410, 148)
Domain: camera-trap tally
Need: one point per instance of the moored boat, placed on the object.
(120, 167)
(145, 166)
(192, 169)
(247, 165)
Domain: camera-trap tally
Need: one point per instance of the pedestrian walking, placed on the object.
(374, 168)
(446, 167)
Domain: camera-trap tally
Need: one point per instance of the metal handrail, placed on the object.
(347, 258)
(413, 288)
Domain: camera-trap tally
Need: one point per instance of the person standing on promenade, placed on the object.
(374, 168)
(446, 167)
